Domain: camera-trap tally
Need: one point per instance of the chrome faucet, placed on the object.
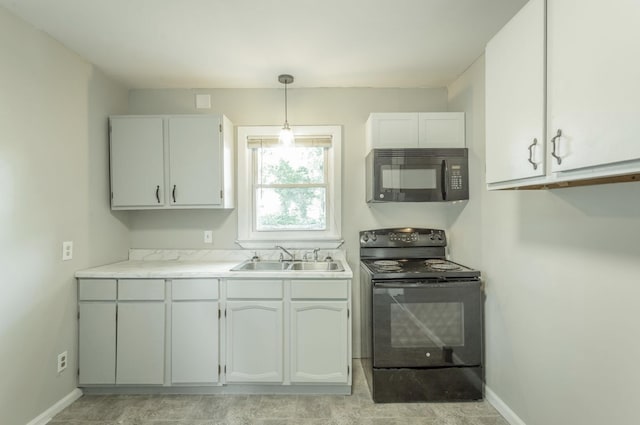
(293, 257)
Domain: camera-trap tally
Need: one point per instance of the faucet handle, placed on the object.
(255, 257)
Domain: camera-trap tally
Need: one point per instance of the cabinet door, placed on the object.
(593, 85)
(441, 130)
(254, 341)
(137, 162)
(319, 341)
(140, 353)
(515, 101)
(393, 130)
(194, 342)
(195, 162)
(97, 343)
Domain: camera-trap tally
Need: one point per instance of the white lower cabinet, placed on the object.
(140, 353)
(195, 331)
(272, 331)
(254, 341)
(194, 342)
(319, 341)
(97, 343)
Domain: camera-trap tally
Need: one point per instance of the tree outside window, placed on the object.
(290, 188)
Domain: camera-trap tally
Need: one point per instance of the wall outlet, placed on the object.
(62, 361)
(67, 250)
(208, 236)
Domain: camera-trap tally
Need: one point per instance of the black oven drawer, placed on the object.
(427, 325)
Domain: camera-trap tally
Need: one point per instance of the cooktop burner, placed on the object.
(409, 253)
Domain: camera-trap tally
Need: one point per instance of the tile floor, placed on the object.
(356, 409)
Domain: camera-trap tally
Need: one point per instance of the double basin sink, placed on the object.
(289, 266)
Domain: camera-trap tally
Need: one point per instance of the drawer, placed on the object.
(320, 288)
(250, 289)
(194, 289)
(96, 289)
(141, 289)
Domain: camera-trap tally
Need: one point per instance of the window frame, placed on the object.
(248, 237)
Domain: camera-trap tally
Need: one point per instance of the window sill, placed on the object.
(329, 243)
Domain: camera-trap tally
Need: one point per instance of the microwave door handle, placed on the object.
(443, 177)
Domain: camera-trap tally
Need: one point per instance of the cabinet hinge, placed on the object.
(220, 125)
(225, 315)
(78, 315)
(219, 370)
(111, 195)
(348, 313)
(225, 369)
(219, 314)
(348, 370)
(221, 194)
(78, 371)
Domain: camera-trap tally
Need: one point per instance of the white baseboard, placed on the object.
(58, 407)
(502, 407)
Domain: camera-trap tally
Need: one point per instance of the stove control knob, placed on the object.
(374, 237)
(365, 237)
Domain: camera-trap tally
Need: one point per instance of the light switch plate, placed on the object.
(208, 236)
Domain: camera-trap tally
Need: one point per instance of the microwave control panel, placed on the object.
(455, 177)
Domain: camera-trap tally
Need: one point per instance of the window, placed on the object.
(289, 194)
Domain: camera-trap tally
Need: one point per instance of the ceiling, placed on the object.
(248, 43)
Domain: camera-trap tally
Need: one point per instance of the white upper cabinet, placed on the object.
(177, 161)
(593, 57)
(441, 130)
(515, 97)
(566, 70)
(137, 162)
(195, 160)
(415, 130)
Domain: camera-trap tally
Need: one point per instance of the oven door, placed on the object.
(426, 324)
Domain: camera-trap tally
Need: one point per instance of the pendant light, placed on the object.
(286, 134)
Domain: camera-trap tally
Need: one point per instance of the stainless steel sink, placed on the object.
(324, 266)
(284, 266)
(261, 266)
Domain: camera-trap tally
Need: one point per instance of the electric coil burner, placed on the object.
(421, 318)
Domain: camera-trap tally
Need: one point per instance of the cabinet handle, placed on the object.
(158, 193)
(553, 141)
(443, 177)
(173, 193)
(535, 142)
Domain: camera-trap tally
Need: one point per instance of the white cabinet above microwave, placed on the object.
(388, 130)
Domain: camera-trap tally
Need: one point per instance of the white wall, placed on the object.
(53, 108)
(562, 270)
(349, 108)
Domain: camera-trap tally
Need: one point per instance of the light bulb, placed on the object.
(286, 135)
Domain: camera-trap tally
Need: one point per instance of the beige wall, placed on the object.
(53, 108)
(561, 270)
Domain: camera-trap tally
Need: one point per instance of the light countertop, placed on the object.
(176, 264)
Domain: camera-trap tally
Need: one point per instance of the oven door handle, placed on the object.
(403, 284)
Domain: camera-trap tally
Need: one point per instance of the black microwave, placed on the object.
(417, 175)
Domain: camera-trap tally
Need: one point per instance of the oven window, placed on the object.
(416, 325)
(396, 177)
